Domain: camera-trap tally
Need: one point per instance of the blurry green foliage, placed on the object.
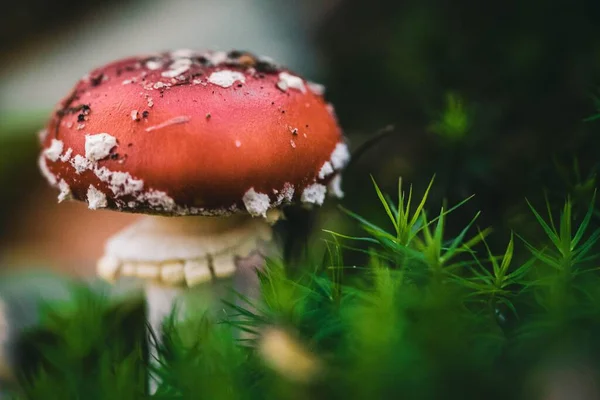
(19, 172)
(521, 76)
(428, 316)
(31, 21)
(454, 122)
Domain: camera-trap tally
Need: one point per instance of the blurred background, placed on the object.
(491, 97)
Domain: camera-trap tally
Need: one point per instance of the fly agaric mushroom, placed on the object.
(210, 145)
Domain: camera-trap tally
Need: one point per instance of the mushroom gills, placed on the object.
(182, 251)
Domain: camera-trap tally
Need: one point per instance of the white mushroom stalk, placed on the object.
(175, 253)
(175, 256)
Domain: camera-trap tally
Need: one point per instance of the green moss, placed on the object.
(428, 316)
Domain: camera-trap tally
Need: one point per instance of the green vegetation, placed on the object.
(415, 296)
(428, 316)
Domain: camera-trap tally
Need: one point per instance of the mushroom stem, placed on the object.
(162, 300)
(188, 262)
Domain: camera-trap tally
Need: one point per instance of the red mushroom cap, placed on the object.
(193, 133)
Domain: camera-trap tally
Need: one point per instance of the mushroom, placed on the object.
(209, 146)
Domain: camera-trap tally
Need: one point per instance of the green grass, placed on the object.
(429, 316)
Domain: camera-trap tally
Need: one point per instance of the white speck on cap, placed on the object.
(99, 146)
(158, 200)
(314, 194)
(120, 183)
(173, 121)
(178, 67)
(52, 153)
(96, 199)
(65, 191)
(46, 171)
(226, 78)
(291, 81)
(316, 88)
(326, 170)
(153, 64)
(238, 143)
(281, 85)
(182, 53)
(340, 156)
(81, 163)
(331, 110)
(216, 57)
(256, 203)
(286, 194)
(335, 187)
(67, 156)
